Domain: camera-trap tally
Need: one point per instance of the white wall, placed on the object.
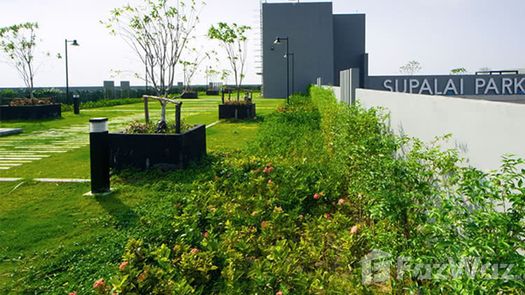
(482, 130)
(336, 90)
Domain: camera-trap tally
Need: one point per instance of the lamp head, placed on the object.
(75, 43)
(277, 40)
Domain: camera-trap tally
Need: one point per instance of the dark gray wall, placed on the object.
(310, 29)
(455, 85)
(349, 46)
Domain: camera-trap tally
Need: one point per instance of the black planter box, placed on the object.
(212, 92)
(236, 111)
(33, 112)
(169, 151)
(190, 95)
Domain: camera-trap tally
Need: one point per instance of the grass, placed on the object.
(226, 136)
(51, 232)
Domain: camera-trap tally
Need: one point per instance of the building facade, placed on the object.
(320, 44)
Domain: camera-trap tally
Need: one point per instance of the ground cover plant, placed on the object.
(53, 239)
(324, 185)
(299, 210)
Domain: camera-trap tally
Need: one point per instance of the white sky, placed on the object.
(440, 34)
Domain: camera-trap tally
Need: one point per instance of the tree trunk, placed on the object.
(177, 117)
(163, 111)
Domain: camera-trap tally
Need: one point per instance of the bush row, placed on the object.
(59, 96)
(323, 186)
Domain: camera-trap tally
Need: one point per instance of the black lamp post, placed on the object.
(293, 70)
(75, 103)
(278, 41)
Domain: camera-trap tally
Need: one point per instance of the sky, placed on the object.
(440, 34)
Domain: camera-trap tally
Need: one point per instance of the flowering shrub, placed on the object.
(322, 186)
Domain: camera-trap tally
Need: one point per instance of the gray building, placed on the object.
(322, 45)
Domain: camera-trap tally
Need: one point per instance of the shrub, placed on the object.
(8, 93)
(30, 101)
(137, 127)
(102, 103)
(323, 185)
(45, 93)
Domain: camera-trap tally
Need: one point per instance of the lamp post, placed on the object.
(292, 55)
(278, 41)
(73, 43)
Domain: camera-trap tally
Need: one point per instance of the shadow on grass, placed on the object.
(124, 216)
(200, 170)
(33, 121)
(258, 119)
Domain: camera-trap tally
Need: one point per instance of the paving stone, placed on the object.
(60, 180)
(9, 179)
(10, 131)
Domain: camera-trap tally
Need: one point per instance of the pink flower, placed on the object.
(317, 196)
(341, 202)
(354, 229)
(123, 265)
(100, 283)
(195, 251)
(279, 293)
(73, 293)
(328, 216)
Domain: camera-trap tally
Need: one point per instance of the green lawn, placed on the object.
(75, 163)
(49, 229)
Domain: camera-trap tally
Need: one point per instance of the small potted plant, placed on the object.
(163, 145)
(19, 43)
(159, 32)
(234, 41)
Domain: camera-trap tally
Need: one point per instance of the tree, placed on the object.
(234, 41)
(159, 34)
(19, 43)
(411, 68)
(192, 65)
(458, 71)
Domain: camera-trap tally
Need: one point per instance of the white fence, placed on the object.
(483, 131)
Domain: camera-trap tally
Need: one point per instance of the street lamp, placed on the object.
(292, 55)
(76, 105)
(278, 41)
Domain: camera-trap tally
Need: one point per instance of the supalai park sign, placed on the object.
(450, 85)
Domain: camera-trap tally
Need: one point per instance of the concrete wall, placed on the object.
(482, 130)
(336, 90)
(349, 83)
(349, 46)
(310, 29)
(451, 85)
